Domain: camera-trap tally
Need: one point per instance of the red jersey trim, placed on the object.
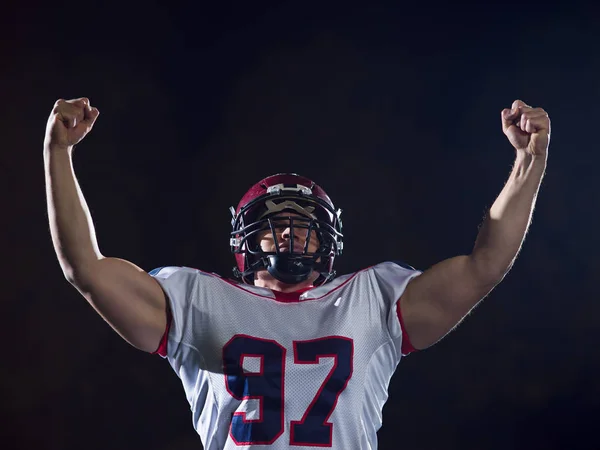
(162, 346)
(276, 298)
(285, 297)
(407, 347)
(290, 297)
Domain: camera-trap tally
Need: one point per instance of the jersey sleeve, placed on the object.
(392, 279)
(180, 285)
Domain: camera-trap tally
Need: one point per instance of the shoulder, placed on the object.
(393, 275)
(166, 272)
(402, 264)
(181, 277)
(396, 266)
(386, 268)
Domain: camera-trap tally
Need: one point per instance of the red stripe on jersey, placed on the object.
(290, 297)
(407, 347)
(162, 347)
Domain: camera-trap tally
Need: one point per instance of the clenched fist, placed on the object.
(69, 122)
(527, 128)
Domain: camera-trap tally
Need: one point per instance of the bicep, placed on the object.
(437, 300)
(129, 299)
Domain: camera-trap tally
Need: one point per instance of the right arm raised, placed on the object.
(129, 299)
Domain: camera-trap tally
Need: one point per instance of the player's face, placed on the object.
(284, 231)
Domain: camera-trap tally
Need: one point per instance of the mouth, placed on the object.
(284, 248)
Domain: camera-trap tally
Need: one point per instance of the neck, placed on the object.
(262, 278)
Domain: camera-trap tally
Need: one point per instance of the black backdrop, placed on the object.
(394, 110)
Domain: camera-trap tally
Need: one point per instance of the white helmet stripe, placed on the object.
(273, 208)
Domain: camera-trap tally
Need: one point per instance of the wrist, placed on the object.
(528, 167)
(524, 157)
(56, 148)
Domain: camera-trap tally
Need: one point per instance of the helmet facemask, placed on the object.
(289, 265)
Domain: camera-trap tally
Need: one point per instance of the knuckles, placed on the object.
(70, 107)
(537, 113)
(58, 105)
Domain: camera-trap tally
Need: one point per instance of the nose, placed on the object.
(287, 232)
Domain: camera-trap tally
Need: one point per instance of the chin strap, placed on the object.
(285, 269)
(290, 270)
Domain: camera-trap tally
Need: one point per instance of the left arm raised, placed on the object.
(435, 302)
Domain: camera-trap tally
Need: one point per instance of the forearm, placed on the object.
(504, 229)
(71, 224)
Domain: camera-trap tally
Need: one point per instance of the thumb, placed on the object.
(508, 117)
(519, 104)
(90, 115)
(59, 121)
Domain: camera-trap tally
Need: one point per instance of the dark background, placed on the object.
(394, 110)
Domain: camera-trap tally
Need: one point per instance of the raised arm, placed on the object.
(129, 299)
(436, 301)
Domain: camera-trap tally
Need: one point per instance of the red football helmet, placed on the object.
(255, 213)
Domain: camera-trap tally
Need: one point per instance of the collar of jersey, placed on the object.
(290, 297)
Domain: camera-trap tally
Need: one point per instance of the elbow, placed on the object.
(79, 276)
(69, 272)
(75, 279)
(489, 270)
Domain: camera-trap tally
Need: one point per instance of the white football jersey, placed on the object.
(303, 370)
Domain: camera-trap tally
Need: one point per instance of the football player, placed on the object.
(290, 355)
